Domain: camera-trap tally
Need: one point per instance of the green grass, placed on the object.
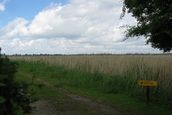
(51, 93)
(121, 92)
(124, 103)
(57, 99)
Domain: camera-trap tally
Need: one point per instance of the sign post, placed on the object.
(147, 84)
(147, 94)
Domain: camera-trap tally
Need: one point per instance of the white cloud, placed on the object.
(2, 8)
(65, 46)
(52, 23)
(15, 28)
(2, 5)
(90, 19)
(81, 26)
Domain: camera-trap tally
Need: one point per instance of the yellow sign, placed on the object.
(147, 83)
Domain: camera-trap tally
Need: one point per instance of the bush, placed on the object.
(15, 97)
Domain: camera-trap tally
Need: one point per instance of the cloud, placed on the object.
(2, 8)
(89, 19)
(81, 26)
(2, 5)
(54, 23)
(65, 46)
(15, 28)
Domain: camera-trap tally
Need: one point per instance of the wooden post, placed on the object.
(147, 95)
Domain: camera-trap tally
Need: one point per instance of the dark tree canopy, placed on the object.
(154, 21)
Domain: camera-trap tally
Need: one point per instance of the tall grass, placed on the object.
(108, 73)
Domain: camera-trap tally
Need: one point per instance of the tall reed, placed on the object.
(151, 67)
(121, 71)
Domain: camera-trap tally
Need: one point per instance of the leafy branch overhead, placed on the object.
(154, 21)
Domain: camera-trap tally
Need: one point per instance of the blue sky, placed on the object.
(66, 27)
(24, 8)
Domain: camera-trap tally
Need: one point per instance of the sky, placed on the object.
(66, 27)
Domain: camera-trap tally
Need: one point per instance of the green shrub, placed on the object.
(15, 97)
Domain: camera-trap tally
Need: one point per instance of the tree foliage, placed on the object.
(15, 97)
(154, 21)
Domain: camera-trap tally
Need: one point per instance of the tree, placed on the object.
(15, 97)
(154, 21)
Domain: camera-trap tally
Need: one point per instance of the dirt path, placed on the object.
(42, 109)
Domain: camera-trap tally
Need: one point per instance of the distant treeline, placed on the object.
(90, 54)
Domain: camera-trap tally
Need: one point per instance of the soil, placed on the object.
(47, 107)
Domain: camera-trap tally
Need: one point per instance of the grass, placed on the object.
(50, 92)
(58, 100)
(124, 103)
(144, 67)
(108, 79)
(121, 102)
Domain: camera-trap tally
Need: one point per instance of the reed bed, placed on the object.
(130, 68)
(152, 67)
